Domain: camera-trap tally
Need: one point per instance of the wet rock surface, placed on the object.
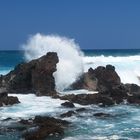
(68, 104)
(102, 115)
(67, 114)
(87, 99)
(7, 100)
(39, 128)
(80, 109)
(35, 76)
(44, 127)
(101, 79)
(107, 82)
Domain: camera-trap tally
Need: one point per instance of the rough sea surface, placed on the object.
(123, 122)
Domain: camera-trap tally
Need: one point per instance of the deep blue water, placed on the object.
(11, 58)
(112, 52)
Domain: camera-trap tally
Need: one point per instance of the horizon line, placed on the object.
(81, 49)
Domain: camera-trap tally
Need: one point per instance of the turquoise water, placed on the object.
(124, 122)
(9, 59)
(112, 52)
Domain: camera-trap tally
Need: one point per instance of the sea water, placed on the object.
(124, 122)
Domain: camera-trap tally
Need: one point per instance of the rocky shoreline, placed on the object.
(37, 77)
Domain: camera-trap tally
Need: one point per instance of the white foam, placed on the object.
(30, 106)
(81, 91)
(4, 70)
(70, 64)
(87, 137)
(111, 59)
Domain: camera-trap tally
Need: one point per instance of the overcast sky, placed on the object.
(94, 24)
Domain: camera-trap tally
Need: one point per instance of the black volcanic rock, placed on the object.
(68, 104)
(133, 89)
(102, 115)
(87, 99)
(34, 76)
(133, 93)
(107, 77)
(117, 93)
(80, 109)
(5, 99)
(3, 93)
(67, 114)
(133, 99)
(43, 127)
(101, 79)
(86, 81)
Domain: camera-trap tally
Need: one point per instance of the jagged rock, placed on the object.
(3, 93)
(67, 114)
(9, 100)
(34, 76)
(101, 79)
(7, 119)
(86, 81)
(102, 115)
(44, 127)
(117, 93)
(133, 89)
(68, 104)
(87, 99)
(26, 122)
(133, 99)
(80, 110)
(5, 99)
(107, 82)
(107, 77)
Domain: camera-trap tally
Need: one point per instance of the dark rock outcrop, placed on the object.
(34, 76)
(102, 115)
(43, 127)
(80, 110)
(67, 114)
(107, 77)
(87, 99)
(133, 91)
(68, 104)
(7, 100)
(86, 81)
(101, 79)
(117, 93)
(107, 82)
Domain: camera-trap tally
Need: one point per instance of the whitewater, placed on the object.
(125, 120)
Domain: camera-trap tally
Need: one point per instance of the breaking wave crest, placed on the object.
(70, 64)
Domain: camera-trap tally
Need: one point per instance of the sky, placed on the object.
(94, 24)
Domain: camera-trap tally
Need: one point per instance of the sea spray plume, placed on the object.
(70, 64)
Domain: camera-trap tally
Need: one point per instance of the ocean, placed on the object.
(124, 123)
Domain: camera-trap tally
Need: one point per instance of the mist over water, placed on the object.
(70, 64)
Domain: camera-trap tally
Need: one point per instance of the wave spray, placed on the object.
(70, 64)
